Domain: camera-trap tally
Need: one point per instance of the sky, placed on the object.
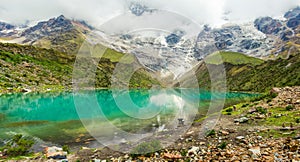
(96, 12)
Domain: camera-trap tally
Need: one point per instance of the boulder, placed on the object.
(55, 153)
(241, 120)
(193, 151)
(255, 152)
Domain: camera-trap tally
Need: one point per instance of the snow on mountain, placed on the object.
(166, 43)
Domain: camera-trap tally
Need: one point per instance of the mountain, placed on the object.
(176, 53)
(58, 33)
(264, 37)
(38, 69)
(6, 29)
(169, 54)
(244, 73)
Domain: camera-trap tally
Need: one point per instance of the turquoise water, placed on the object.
(58, 117)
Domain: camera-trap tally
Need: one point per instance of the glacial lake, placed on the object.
(75, 119)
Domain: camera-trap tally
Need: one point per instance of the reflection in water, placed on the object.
(110, 116)
(159, 112)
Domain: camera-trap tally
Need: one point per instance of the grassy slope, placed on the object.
(250, 77)
(39, 69)
(233, 58)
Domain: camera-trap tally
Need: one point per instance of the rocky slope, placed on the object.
(7, 30)
(58, 33)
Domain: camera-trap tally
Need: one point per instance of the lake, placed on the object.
(107, 115)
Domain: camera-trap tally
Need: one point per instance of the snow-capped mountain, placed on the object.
(261, 38)
(172, 52)
(7, 30)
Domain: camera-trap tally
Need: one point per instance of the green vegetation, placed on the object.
(255, 77)
(146, 148)
(222, 145)
(67, 42)
(261, 110)
(44, 70)
(233, 58)
(210, 133)
(66, 148)
(281, 116)
(289, 107)
(17, 146)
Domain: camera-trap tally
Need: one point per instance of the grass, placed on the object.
(233, 58)
(253, 76)
(46, 70)
(287, 117)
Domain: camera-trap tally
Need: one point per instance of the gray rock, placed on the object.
(240, 137)
(193, 151)
(268, 25)
(241, 120)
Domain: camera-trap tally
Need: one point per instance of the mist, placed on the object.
(96, 12)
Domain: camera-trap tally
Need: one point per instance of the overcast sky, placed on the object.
(99, 11)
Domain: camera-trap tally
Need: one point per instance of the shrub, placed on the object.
(211, 133)
(183, 153)
(222, 145)
(17, 146)
(245, 105)
(66, 148)
(289, 107)
(229, 110)
(261, 110)
(298, 120)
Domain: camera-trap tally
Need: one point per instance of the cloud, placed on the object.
(99, 11)
(248, 10)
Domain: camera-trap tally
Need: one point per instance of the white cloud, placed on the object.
(99, 11)
(242, 10)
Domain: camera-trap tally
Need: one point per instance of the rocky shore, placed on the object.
(264, 130)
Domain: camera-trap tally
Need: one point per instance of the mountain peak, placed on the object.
(61, 17)
(292, 13)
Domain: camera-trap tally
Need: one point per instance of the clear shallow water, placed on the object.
(58, 117)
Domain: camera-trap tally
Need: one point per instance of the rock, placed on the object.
(251, 111)
(268, 25)
(26, 64)
(260, 117)
(294, 22)
(137, 9)
(55, 153)
(25, 90)
(294, 148)
(240, 137)
(190, 133)
(235, 158)
(225, 133)
(173, 39)
(193, 151)
(292, 13)
(255, 152)
(172, 156)
(241, 120)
